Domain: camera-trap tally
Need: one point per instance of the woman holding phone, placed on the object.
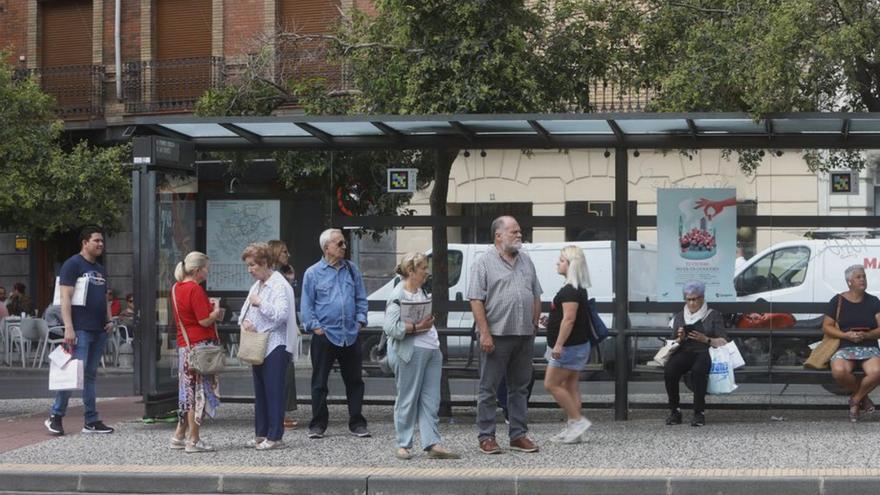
(414, 355)
(696, 329)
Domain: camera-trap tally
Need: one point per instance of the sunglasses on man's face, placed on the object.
(340, 244)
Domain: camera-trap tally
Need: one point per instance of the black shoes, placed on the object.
(360, 431)
(674, 418)
(97, 427)
(699, 419)
(53, 424)
(315, 432)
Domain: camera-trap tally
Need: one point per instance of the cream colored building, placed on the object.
(782, 185)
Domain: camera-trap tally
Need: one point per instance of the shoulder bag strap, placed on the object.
(837, 316)
(177, 313)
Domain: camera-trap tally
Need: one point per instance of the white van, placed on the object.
(806, 271)
(599, 254)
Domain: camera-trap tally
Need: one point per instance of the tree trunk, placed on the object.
(440, 268)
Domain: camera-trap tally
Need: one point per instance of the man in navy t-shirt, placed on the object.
(85, 327)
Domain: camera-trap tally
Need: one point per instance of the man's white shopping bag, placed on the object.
(80, 292)
(59, 356)
(67, 377)
(721, 379)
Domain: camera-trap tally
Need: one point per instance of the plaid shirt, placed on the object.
(507, 290)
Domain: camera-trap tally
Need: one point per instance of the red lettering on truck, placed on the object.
(870, 263)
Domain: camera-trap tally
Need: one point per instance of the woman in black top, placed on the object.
(568, 343)
(854, 317)
(696, 329)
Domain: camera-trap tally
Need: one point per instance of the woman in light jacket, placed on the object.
(414, 355)
(269, 307)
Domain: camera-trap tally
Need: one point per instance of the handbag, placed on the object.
(252, 345)
(821, 354)
(205, 359)
(662, 357)
(598, 330)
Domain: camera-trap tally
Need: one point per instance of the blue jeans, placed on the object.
(89, 348)
(418, 397)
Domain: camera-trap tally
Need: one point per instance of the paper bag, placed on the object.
(59, 356)
(67, 377)
(80, 292)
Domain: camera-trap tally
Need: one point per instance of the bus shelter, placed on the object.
(170, 210)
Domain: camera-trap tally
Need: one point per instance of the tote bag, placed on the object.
(252, 345)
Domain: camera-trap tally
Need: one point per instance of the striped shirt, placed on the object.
(507, 290)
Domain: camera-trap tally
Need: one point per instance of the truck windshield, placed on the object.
(780, 269)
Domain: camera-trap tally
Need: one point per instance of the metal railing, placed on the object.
(78, 89)
(619, 96)
(173, 85)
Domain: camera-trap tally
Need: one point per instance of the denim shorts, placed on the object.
(574, 358)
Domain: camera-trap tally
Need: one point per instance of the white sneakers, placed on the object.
(200, 446)
(270, 445)
(573, 432)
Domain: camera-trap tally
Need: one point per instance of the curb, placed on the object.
(386, 481)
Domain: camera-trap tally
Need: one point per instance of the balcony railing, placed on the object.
(78, 89)
(619, 96)
(169, 85)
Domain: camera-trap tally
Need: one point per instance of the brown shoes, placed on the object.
(290, 423)
(523, 444)
(488, 445)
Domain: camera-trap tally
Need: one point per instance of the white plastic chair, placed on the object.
(46, 340)
(25, 332)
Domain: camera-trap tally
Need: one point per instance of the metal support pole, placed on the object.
(621, 283)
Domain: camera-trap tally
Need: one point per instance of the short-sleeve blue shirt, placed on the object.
(93, 315)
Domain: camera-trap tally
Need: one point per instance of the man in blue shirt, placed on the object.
(85, 327)
(334, 310)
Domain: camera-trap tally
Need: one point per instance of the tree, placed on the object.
(762, 56)
(47, 190)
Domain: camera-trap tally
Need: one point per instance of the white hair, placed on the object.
(578, 274)
(324, 239)
(851, 270)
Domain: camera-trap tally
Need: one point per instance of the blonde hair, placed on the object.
(275, 248)
(193, 261)
(259, 251)
(578, 273)
(409, 262)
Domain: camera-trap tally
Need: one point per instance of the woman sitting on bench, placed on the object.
(853, 317)
(696, 328)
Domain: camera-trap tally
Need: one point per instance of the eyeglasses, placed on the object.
(340, 244)
(693, 299)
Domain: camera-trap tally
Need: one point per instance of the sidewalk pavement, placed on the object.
(739, 452)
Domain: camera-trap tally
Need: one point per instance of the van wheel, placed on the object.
(370, 349)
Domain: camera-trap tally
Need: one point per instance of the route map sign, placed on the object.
(230, 226)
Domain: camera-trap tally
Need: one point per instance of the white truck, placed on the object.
(806, 271)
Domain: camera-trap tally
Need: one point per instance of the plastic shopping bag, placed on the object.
(721, 380)
(736, 359)
(67, 377)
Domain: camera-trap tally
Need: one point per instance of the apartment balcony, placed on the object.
(169, 86)
(78, 89)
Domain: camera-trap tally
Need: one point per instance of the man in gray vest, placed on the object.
(505, 298)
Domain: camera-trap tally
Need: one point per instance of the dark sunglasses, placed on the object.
(340, 244)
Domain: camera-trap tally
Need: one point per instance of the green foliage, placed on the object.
(763, 56)
(45, 190)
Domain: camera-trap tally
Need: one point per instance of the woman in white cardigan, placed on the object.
(269, 308)
(414, 355)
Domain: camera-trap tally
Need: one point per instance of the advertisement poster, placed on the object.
(696, 237)
(231, 226)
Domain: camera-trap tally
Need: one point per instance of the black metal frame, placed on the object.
(460, 136)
